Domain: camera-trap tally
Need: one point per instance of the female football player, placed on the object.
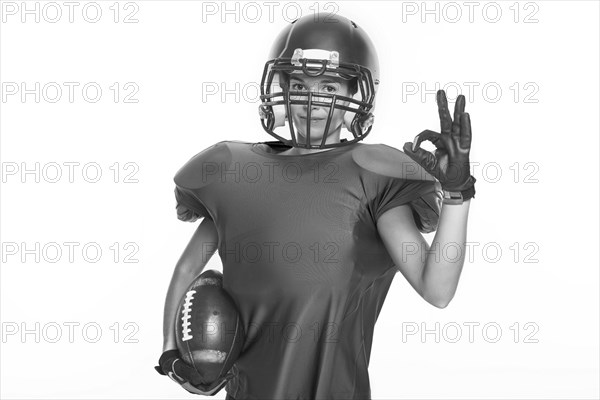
(312, 228)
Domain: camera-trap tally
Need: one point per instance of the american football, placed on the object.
(210, 333)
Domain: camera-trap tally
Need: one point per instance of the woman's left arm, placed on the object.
(446, 255)
(434, 271)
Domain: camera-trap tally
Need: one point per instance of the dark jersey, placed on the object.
(302, 257)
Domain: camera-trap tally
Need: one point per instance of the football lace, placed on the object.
(187, 309)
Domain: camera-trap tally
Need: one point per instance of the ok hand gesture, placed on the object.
(450, 163)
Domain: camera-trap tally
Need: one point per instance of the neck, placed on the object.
(333, 137)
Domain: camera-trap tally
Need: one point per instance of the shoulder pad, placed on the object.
(384, 160)
(204, 168)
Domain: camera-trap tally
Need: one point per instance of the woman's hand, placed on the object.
(188, 377)
(450, 163)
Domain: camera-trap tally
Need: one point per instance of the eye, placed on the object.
(298, 86)
(330, 88)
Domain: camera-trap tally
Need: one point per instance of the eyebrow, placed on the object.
(328, 80)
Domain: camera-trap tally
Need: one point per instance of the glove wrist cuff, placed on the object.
(166, 358)
(459, 196)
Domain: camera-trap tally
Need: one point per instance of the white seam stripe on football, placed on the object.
(187, 308)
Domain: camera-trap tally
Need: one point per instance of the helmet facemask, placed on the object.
(277, 98)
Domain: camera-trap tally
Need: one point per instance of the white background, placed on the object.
(550, 209)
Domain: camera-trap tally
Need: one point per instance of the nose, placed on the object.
(313, 96)
(312, 107)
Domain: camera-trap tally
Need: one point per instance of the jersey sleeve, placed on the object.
(393, 179)
(189, 208)
(193, 179)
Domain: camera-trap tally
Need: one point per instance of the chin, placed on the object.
(315, 140)
(316, 134)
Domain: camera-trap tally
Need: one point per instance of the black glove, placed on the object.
(450, 164)
(171, 364)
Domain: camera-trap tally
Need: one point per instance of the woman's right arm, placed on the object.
(201, 247)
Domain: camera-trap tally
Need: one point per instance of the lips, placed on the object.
(314, 119)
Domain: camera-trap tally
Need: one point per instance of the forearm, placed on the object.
(181, 279)
(196, 255)
(446, 255)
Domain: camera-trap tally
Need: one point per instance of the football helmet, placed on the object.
(316, 45)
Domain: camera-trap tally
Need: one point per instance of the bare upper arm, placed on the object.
(203, 244)
(405, 244)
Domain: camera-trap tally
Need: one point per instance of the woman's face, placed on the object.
(318, 116)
